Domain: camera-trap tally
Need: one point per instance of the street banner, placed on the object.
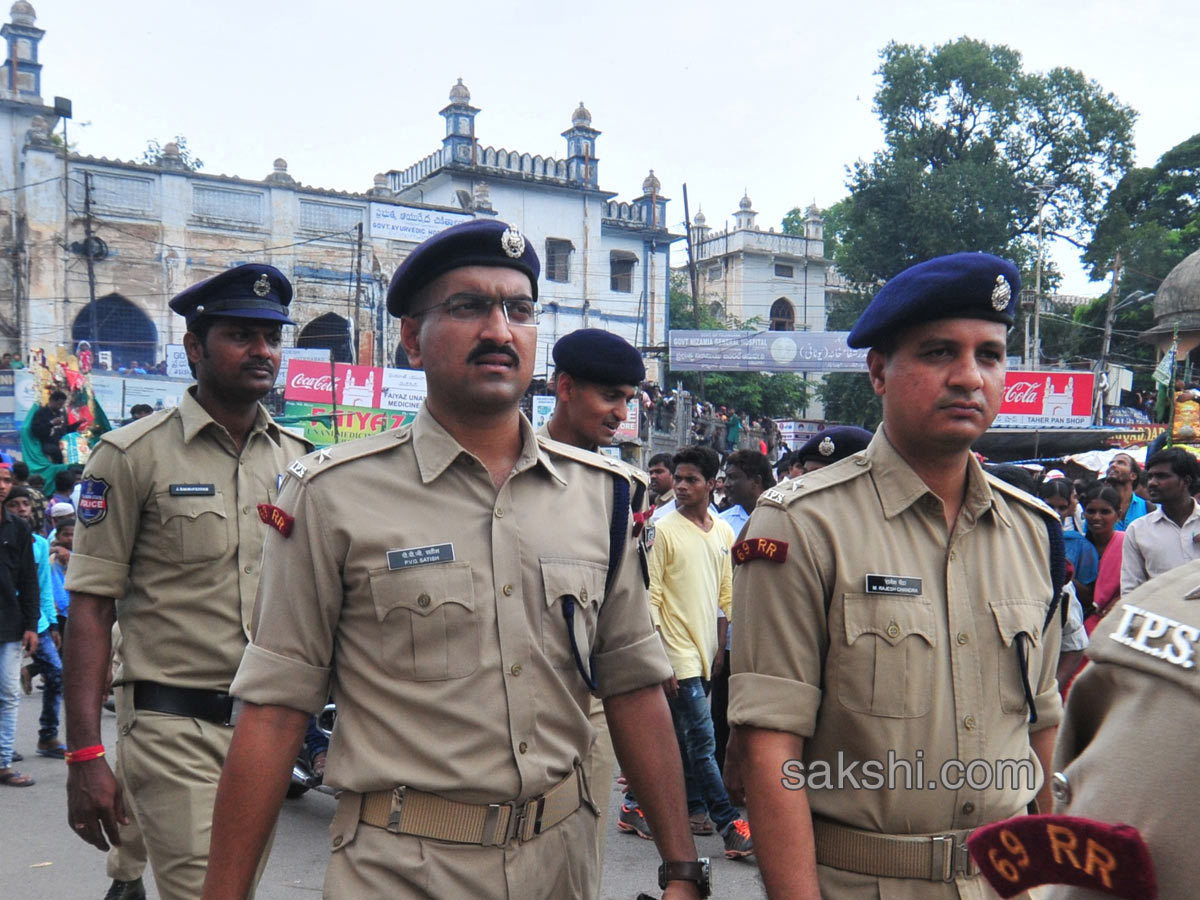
(764, 351)
(1046, 399)
(361, 400)
(408, 223)
(627, 432)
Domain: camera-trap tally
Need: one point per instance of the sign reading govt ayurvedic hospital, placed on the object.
(362, 400)
(1046, 399)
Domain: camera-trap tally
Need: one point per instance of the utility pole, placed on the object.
(357, 285)
(1108, 327)
(1037, 282)
(93, 328)
(687, 230)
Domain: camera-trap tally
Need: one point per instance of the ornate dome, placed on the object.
(280, 165)
(651, 185)
(1177, 301)
(745, 202)
(699, 219)
(581, 116)
(459, 93)
(23, 13)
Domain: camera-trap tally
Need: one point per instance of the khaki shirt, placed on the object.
(1127, 745)
(432, 604)
(179, 541)
(879, 632)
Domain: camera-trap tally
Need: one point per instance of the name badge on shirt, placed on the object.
(193, 490)
(420, 556)
(894, 584)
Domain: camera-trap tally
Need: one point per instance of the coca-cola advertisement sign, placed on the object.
(1046, 399)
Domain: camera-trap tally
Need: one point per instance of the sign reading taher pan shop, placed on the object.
(1046, 399)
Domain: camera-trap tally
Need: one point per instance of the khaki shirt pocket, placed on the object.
(428, 627)
(582, 581)
(1014, 617)
(193, 527)
(884, 667)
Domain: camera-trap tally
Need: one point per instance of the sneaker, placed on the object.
(27, 679)
(126, 890)
(701, 823)
(737, 840)
(633, 821)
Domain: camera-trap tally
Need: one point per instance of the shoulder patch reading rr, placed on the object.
(276, 518)
(1022, 853)
(760, 548)
(93, 501)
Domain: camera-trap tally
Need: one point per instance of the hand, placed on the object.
(95, 805)
(671, 687)
(30, 642)
(56, 636)
(681, 890)
(735, 785)
(718, 664)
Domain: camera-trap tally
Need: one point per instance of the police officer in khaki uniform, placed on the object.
(170, 524)
(596, 375)
(461, 636)
(891, 610)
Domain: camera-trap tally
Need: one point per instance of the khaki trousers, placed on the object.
(599, 769)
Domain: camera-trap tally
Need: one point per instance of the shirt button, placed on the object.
(953, 556)
(963, 638)
(337, 841)
(499, 512)
(893, 630)
(1060, 788)
(968, 808)
(245, 510)
(423, 601)
(507, 589)
(522, 746)
(583, 595)
(247, 569)
(969, 723)
(516, 669)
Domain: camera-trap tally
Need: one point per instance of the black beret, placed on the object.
(833, 444)
(250, 291)
(600, 356)
(959, 286)
(478, 242)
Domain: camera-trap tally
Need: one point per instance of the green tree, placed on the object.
(154, 154)
(848, 396)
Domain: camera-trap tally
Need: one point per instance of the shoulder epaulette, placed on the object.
(1023, 497)
(311, 465)
(790, 490)
(587, 457)
(127, 435)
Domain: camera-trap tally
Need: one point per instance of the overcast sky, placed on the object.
(770, 97)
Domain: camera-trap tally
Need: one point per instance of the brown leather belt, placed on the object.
(404, 810)
(929, 857)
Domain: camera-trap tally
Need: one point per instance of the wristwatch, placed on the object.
(698, 870)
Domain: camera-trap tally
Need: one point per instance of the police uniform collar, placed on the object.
(195, 418)
(436, 449)
(900, 487)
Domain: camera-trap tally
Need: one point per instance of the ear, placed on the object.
(564, 385)
(876, 364)
(410, 340)
(193, 347)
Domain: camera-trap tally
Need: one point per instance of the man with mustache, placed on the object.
(892, 608)
(462, 636)
(170, 525)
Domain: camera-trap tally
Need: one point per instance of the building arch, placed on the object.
(783, 315)
(115, 324)
(328, 332)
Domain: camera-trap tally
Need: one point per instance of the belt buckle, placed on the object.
(955, 859)
(393, 822)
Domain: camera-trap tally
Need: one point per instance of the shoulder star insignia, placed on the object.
(323, 454)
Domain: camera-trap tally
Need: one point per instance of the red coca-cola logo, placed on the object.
(300, 381)
(1023, 392)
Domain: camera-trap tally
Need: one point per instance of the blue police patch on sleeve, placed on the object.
(93, 501)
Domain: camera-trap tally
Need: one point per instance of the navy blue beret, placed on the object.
(599, 356)
(959, 286)
(833, 444)
(250, 291)
(478, 242)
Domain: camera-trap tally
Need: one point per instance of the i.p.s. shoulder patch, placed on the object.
(276, 518)
(759, 548)
(93, 501)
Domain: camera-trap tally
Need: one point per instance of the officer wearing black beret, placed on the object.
(831, 445)
(596, 374)
(251, 291)
(877, 620)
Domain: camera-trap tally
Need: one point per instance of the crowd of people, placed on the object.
(745, 633)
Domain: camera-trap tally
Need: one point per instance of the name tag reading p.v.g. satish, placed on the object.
(894, 584)
(420, 556)
(193, 490)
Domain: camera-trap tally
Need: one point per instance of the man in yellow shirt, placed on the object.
(690, 576)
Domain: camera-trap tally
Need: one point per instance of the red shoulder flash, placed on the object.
(276, 518)
(1021, 853)
(759, 548)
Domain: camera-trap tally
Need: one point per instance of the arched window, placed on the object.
(783, 315)
(328, 332)
(113, 323)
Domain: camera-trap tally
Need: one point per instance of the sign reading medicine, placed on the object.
(408, 223)
(764, 351)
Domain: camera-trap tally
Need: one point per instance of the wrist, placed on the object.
(85, 754)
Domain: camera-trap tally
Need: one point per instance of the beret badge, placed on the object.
(1001, 294)
(826, 448)
(512, 243)
(262, 287)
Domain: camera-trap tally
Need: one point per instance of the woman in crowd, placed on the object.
(1102, 511)
(1059, 495)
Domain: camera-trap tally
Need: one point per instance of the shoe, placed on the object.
(27, 679)
(701, 823)
(126, 890)
(13, 778)
(17, 757)
(55, 749)
(738, 844)
(110, 705)
(633, 821)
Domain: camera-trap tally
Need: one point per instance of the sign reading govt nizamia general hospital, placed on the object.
(407, 223)
(764, 351)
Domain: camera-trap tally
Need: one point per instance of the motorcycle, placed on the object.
(303, 778)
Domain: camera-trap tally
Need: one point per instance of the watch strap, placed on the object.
(685, 870)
